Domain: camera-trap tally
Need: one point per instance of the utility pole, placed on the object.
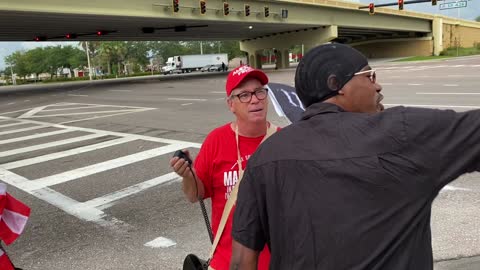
(88, 60)
(14, 81)
(201, 47)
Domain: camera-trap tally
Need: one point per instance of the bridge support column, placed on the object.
(254, 59)
(281, 56)
(437, 32)
(309, 37)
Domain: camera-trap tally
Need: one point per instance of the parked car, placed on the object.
(206, 68)
(217, 68)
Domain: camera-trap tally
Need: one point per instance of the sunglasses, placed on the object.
(371, 74)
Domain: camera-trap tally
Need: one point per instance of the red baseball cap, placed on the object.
(238, 75)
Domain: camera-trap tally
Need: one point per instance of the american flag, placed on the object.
(13, 219)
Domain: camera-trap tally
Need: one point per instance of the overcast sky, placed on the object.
(471, 12)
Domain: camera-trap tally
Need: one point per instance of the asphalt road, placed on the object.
(92, 163)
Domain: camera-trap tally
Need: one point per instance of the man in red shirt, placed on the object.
(216, 165)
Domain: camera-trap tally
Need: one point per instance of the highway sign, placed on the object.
(458, 4)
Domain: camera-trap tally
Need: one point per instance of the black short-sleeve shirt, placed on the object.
(341, 190)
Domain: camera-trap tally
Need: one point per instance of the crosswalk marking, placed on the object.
(57, 199)
(104, 166)
(57, 155)
(22, 129)
(80, 113)
(112, 133)
(105, 201)
(91, 210)
(35, 136)
(32, 112)
(12, 124)
(48, 145)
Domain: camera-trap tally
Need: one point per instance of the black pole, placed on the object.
(396, 3)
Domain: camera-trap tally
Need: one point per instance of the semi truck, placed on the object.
(189, 63)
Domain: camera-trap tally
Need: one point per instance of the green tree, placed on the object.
(36, 61)
(477, 19)
(17, 62)
(137, 55)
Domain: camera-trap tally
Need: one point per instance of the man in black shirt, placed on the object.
(348, 187)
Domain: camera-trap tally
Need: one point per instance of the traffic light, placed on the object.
(175, 5)
(101, 33)
(226, 9)
(267, 11)
(70, 36)
(434, 2)
(371, 8)
(400, 4)
(203, 7)
(40, 38)
(247, 10)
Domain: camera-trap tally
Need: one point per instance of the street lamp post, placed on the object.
(88, 60)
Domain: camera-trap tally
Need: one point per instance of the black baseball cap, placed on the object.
(321, 63)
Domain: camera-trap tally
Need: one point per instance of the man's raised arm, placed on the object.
(243, 258)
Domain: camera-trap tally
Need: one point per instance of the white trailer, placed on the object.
(189, 63)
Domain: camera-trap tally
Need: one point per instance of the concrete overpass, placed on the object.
(388, 33)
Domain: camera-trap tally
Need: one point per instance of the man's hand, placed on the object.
(243, 258)
(192, 186)
(180, 166)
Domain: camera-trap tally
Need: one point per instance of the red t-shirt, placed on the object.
(216, 165)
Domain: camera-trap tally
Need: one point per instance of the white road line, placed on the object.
(450, 85)
(185, 104)
(11, 103)
(109, 115)
(63, 104)
(12, 124)
(120, 90)
(35, 136)
(76, 108)
(72, 95)
(32, 112)
(23, 129)
(161, 242)
(109, 199)
(414, 84)
(48, 145)
(22, 110)
(187, 99)
(457, 66)
(28, 100)
(132, 107)
(70, 152)
(57, 199)
(81, 113)
(429, 93)
(105, 166)
(433, 106)
(112, 133)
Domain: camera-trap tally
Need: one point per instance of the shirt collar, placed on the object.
(321, 108)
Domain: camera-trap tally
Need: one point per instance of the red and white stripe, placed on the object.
(13, 216)
(5, 263)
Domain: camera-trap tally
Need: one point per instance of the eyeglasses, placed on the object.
(371, 74)
(246, 96)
